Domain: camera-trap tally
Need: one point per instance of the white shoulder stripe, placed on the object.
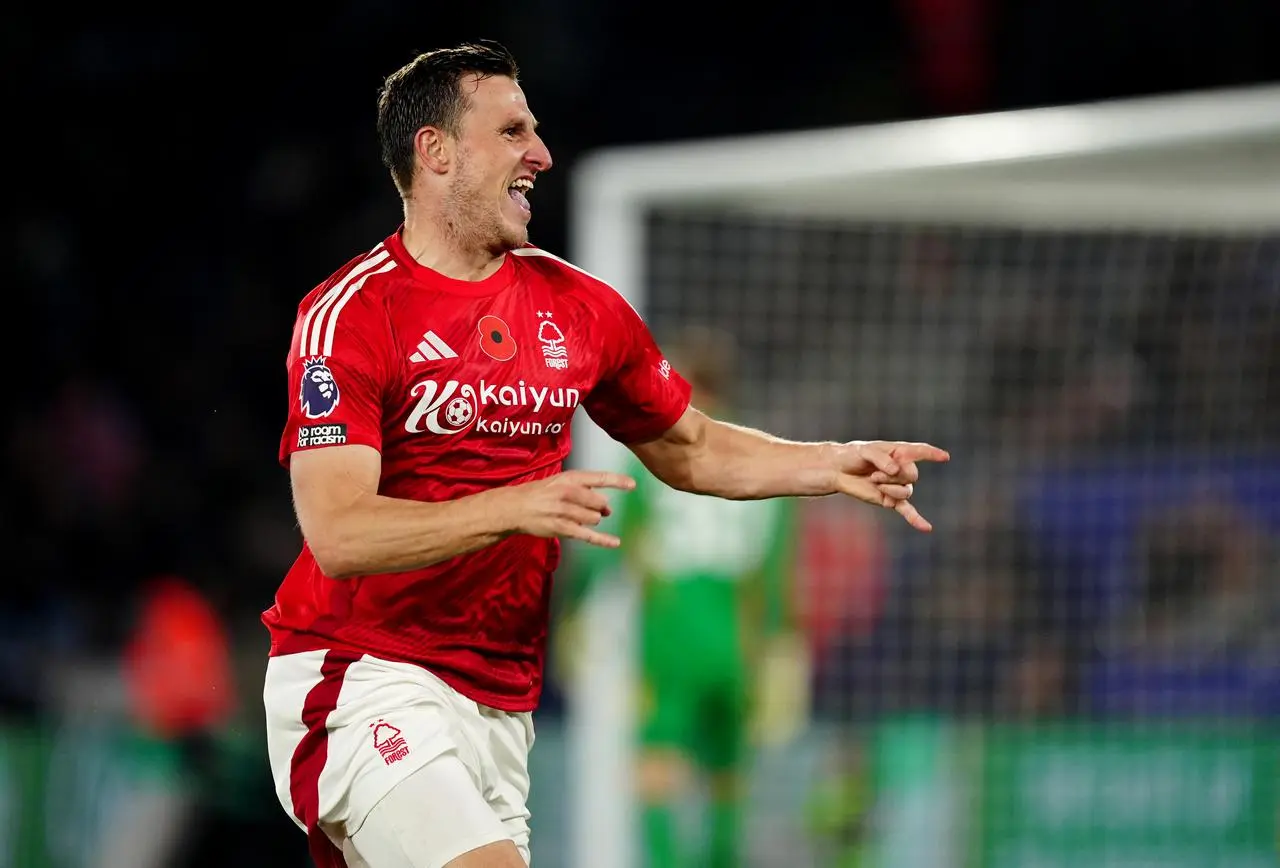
(346, 297)
(534, 251)
(309, 342)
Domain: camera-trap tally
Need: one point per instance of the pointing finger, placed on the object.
(602, 479)
(918, 452)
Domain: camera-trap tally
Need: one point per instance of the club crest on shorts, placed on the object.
(319, 392)
(389, 742)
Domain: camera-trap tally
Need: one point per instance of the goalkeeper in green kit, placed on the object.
(720, 664)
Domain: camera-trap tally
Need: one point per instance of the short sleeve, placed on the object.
(337, 377)
(639, 395)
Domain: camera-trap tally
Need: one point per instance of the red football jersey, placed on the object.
(461, 386)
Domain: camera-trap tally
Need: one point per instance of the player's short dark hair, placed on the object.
(707, 357)
(426, 91)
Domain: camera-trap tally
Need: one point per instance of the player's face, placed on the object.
(499, 154)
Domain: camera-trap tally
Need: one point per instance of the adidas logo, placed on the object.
(432, 348)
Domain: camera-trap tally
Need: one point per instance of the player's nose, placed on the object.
(538, 156)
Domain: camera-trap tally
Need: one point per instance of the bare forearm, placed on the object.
(740, 463)
(379, 534)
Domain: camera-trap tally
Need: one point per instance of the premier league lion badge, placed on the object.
(319, 395)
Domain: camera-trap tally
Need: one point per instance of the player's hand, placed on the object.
(884, 473)
(567, 505)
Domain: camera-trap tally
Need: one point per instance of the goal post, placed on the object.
(1061, 195)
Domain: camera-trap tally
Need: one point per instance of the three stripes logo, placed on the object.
(432, 349)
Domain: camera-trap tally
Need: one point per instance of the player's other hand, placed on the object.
(568, 504)
(884, 473)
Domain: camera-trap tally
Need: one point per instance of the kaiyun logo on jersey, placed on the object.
(452, 407)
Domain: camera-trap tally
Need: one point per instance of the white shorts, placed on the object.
(343, 731)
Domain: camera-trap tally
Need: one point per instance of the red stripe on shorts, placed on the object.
(310, 755)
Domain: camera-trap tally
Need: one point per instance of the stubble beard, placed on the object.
(473, 222)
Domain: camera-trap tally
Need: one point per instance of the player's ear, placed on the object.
(432, 146)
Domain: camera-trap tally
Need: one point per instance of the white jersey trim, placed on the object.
(321, 320)
(346, 297)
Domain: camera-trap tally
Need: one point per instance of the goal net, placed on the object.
(1081, 665)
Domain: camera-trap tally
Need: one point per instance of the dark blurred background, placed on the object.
(174, 191)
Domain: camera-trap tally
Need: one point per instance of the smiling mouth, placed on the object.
(518, 190)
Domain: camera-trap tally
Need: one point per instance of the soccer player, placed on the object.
(716, 579)
(432, 381)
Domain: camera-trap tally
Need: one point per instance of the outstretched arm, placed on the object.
(354, 531)
(708, 456)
